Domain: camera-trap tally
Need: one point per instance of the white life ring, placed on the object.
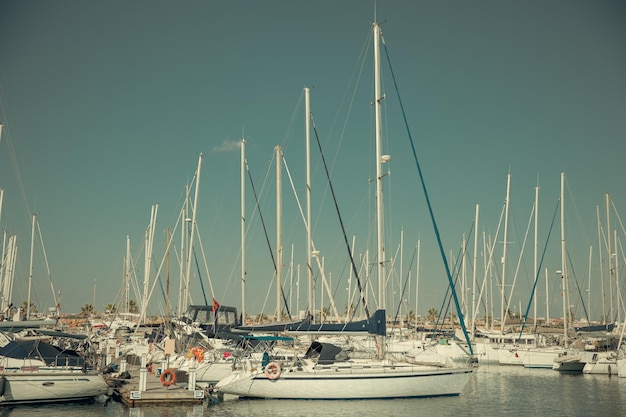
(272, 370)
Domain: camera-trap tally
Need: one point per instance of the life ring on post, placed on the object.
(272, 370)
(168, 377)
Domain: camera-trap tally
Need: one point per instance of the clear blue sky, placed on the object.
(107, 105)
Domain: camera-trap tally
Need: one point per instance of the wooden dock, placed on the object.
(156, 393)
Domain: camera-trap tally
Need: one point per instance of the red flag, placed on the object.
(215, 305)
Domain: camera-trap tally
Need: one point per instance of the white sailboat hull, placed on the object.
(401, 382)
(621, 367)
(23, 387)
(539, 358)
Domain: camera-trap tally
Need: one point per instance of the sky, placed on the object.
(107, 107)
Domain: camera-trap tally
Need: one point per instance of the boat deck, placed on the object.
(156, 393)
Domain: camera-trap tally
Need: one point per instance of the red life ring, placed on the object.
(168, 377)
(272, 370)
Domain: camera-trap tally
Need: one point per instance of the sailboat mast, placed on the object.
(619, 310)
(504, 246)
(474, 272)
(193, 231)
(30, 268)
(563, 264)
(379, 179)
(535, 259)
(589, 280)
(307, 134)
(609, 254)
(547, 299)
(148, 258)
(243, 232)
(168, 304)
(127, 277)
(279, 243)
(601, 264)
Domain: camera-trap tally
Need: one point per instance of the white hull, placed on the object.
(606, 367)
(351, 383)
(212, 372)
(571, 363)
(507, 356)
(486, 353)
(621, 368)
(539, 358)
(604, 363)
(41, 385)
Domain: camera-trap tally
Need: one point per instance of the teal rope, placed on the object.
(430, 210)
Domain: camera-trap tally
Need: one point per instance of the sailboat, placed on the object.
(326, 371)
(34, 371)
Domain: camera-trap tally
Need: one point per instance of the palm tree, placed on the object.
(132, 307)
(110, 308)
(325, 313)
(33, 309)
(452, 318)
(432, 315)
(410, 317)
(86, 310)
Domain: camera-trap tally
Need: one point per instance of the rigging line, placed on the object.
(582, 300)
(456, 270)
(45, 257)
(343, 229)
(408, 276)
(258, 207)
(6, 134)
(195, 258)
(519, 260)
(267, 239)
(538, 272)
(293, 188)
(430, 209)
(619, 219)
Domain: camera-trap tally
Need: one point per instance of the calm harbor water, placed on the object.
(492, 391)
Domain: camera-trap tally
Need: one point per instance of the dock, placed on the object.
(156, 393)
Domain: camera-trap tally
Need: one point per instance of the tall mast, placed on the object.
(168, 304)
(601, 264)
(183, 244)
(609, 255)
(279, 243)
(30, 268)
(128, 277)
(243, 233)
(474, 270)
(417, 275)
(547, 299)
(309, 265)
(193, 230)
(504, 246)
(619, 310)
(535, 272)
(379, 179)
(589, 282)
(563, 263)
(148, 258)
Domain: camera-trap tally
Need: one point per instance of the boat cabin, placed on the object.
(224, 317)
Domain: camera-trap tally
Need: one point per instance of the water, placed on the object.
(491, 391)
